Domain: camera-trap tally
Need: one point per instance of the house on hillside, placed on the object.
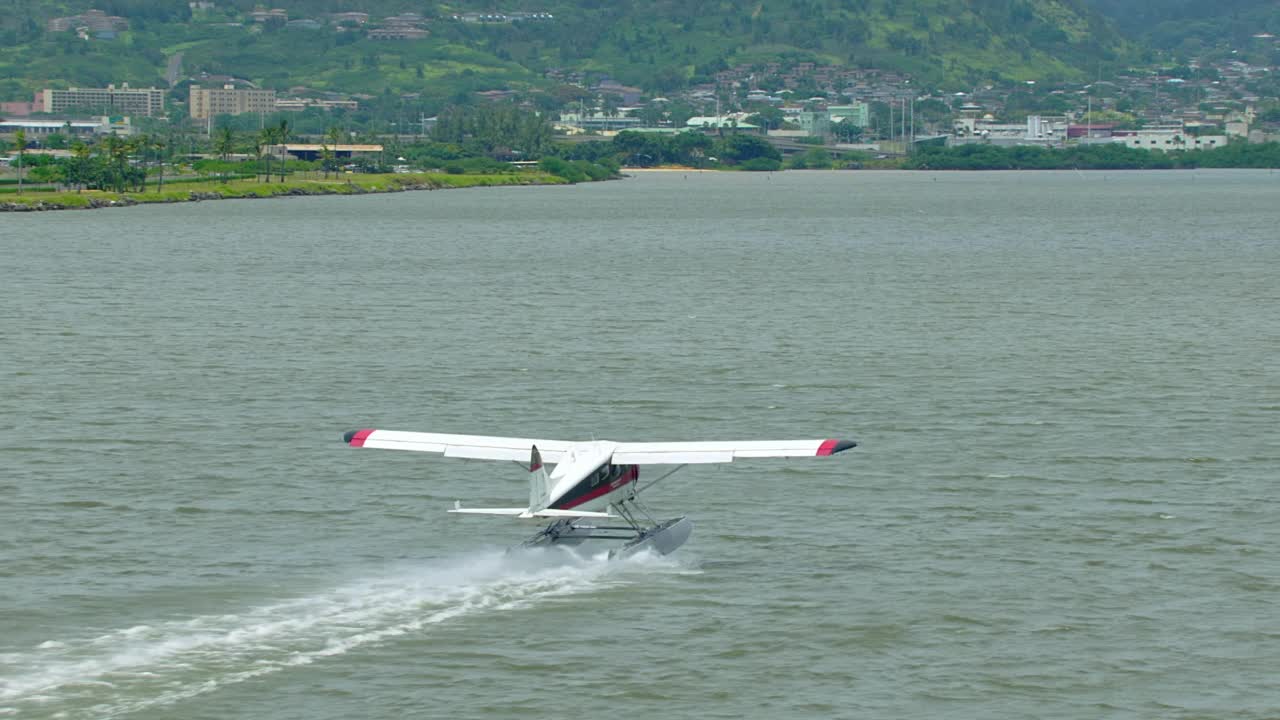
(272, 15)
(405, 26)
(397, 32)
(356, 18)
(626, 95)
(92, 20)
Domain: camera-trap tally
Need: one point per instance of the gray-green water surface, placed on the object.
(1064, 505)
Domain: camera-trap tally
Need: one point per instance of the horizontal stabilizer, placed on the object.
(524, 513)
(549, 513)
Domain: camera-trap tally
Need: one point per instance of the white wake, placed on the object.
(127, 670)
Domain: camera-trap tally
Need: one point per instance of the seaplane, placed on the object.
(593, 493)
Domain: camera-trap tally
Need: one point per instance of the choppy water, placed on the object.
(1064, 505)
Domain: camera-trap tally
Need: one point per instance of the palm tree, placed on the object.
(328, 146)
(282, 137)
(225, 144)
(141, 143)
(334, 136)
(266, 138)
(257, 153)
(114, 151)
(20, 138)
(119, 150)
(159, 144)
(79, 166)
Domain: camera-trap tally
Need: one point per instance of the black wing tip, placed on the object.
(356, 438)
(833, 446)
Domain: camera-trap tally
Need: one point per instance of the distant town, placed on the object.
(793, 105)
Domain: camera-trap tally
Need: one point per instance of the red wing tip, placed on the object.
(831, 447)
(356, 438)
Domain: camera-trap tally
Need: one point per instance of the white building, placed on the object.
(599, 121)
(1048, 131)
(1167, 138)
(42, 128)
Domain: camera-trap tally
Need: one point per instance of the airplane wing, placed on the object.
(685, 453)
(477, 447)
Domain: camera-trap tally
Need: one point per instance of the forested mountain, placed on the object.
(660, 46)
(1190, 27)
(656, 44)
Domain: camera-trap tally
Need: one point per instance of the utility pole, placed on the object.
(21, 138)
(913, 121)
(890, 121)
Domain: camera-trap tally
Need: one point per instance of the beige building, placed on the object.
(227, 100)
(122, 100)
(300, 104)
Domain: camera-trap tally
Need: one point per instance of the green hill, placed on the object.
(1191, 27)
(658, 45)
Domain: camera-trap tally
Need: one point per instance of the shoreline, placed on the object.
(249, 189)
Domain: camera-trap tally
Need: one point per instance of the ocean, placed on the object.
(1064, 385)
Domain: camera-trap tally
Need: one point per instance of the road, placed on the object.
(174, 69)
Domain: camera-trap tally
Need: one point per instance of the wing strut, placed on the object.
(651, 483)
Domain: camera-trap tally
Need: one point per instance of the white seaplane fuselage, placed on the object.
(585, 479)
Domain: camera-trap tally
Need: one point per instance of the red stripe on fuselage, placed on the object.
(629, 475)
(827, 447)
(358, 439)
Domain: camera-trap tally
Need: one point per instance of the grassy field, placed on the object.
(219, 190)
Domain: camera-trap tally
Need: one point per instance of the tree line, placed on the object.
(1110, 156)
(689, 148)
(110, 165)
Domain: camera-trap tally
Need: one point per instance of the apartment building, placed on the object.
(122, 100)
(228, 100)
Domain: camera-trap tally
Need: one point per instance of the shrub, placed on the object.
(563, 168)
(761, 164)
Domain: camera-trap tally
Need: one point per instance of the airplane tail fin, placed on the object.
(539, 485)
